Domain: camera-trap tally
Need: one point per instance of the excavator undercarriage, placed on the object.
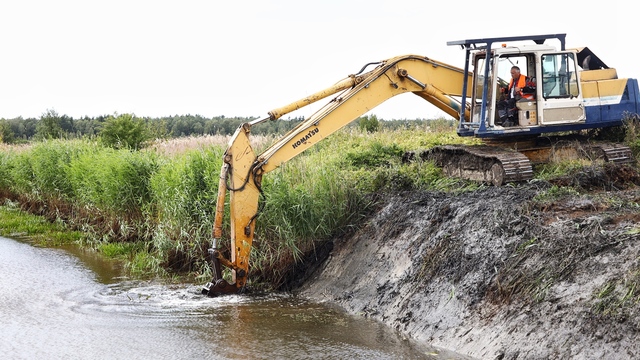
(499, 162)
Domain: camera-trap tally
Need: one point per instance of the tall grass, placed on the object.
(92, 187)
(39, 171)
(184, 192)
(5, 170)
(631, 126)
(180, 146)
(112, 180)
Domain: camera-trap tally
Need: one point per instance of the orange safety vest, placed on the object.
(522, 81)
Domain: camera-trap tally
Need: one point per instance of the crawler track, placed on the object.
(616, 153)
(500, 165)
(481, 163)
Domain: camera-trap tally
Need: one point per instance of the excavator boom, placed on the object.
(242, 170)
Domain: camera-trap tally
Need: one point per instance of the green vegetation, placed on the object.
(155, 210)
(124, 132)
(51, 125)
(123, 128)
(6, 135)
(559, 168)
(553, 193)
(632, 133)
(128, 129)
(20, 224)
(619, 297)
(369, 123)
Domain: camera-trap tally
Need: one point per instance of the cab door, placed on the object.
(558, 88)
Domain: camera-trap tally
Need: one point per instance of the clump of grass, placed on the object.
(120, 250)
(373, 154)
(89, 186)
(145, 264)
(112, 180)
(618, 296)
(631, 126)
(554, 192)
(556, 169)
(306, 200)
(184, 190)
(39, 172)
(5, 170)
(19, 224)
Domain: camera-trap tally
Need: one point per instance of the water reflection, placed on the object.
(53, 307)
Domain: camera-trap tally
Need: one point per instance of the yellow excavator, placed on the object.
(568, 90)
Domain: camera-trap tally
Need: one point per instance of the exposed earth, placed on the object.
(529, 271)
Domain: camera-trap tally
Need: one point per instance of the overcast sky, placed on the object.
(244, 58)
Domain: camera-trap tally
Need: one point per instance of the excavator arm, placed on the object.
(242, 170)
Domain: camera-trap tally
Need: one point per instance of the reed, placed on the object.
(184, 191)
(112, 180)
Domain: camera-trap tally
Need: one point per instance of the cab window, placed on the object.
(559, 76)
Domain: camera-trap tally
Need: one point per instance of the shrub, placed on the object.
(369, 123)
(124, 132)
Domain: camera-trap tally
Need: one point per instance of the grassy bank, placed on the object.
(16, 224)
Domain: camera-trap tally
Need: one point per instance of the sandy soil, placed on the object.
(517, 272)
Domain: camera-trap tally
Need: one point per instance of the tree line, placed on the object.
(53, 125)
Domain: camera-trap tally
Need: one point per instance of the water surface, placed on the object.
(59, 305)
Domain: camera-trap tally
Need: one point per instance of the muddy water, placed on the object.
(58, 305)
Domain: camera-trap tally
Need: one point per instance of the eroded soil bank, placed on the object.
(517, 272)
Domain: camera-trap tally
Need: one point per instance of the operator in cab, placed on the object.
(507, 110)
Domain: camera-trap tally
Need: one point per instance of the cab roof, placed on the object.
(488, 42)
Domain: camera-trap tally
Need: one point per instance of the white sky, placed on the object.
(244, 58)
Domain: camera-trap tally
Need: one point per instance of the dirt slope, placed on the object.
(499, 273)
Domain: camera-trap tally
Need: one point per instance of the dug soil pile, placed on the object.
(517, 272)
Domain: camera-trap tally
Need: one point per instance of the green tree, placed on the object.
(6, 135)
(369, 123)
(49, 126)
(27, 128)
(124, 132)
(157, 129)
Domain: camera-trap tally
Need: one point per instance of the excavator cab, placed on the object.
(552, 95)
